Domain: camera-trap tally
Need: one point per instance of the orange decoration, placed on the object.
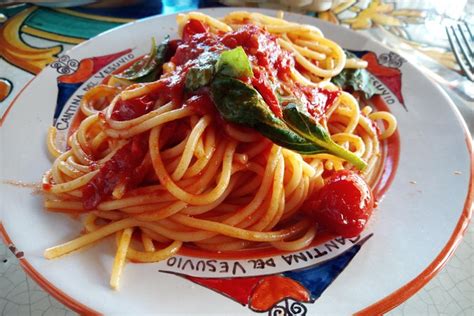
(5, 89)
(81, 74)
(274, 289)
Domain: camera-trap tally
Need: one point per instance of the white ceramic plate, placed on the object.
(414, 230)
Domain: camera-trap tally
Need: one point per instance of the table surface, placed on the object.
(451, 292)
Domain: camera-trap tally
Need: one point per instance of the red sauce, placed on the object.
(172, 134)
(271, 66)
(390, 153)
(262, 49)
(125, 110)
(194, 43)
(261, 83)
(317, 100)
(47, 187)
(193, 27)
(201, 103)
(173, 88)
(122, 167)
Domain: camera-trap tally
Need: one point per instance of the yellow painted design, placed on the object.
(20, 54)
(51, 36)
(94, 17)
(344, 5)
(5, 89)
(376, 13)
(354, 9)
(408, 13)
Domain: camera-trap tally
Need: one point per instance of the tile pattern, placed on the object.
(20, 295)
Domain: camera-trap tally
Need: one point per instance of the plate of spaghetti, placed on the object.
(226, 161)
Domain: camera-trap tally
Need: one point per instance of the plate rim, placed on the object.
(381, 306)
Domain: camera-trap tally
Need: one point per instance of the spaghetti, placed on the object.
(155, 163)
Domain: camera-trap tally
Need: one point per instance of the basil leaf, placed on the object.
(355, 80)
(308, 128)
(240, 103)
(234, 63)
(149, 67)
(281, 135)
(201, 74)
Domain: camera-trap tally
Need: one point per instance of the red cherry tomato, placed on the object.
(343, 205)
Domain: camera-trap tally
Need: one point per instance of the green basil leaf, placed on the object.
(201, 74)
(308, 128)
(355, 80)
(149, 67)
(240, 103)
(281, 135)
(234, 63)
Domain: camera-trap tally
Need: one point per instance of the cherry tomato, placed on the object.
(343, 205)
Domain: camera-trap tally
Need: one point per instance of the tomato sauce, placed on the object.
(317, 100)
(262, 84)
(125, 110)
(201, 103)
(271, 66)
(121, 168)
(390, 153)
